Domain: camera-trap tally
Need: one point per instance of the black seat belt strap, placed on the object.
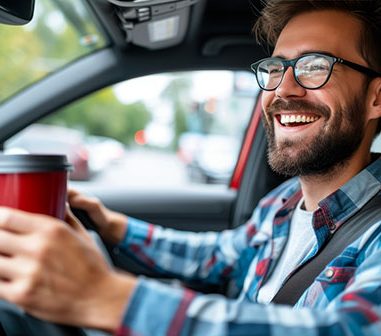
(348, 232)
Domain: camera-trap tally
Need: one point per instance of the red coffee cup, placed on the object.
(34, 183)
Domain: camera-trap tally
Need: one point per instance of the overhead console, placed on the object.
(154, 24)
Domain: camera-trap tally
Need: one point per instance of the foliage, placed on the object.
(31, 52)
(16, 54)
(50, 42)
(102, 114)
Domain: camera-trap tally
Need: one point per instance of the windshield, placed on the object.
(60, 32)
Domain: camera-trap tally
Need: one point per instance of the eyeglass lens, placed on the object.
(311, 71)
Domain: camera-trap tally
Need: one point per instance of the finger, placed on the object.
(14, 291)
(77, 200)
(75, 197)
(18, 221)
(11, 243)
(6, 290)
(75, 223)
(72, 191)
(12, 267)
(22, 222)
(72, 220)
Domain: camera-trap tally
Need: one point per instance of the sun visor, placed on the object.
(154, 24)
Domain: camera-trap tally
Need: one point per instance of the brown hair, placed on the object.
(277, 13)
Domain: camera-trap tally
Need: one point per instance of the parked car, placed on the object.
(103, 151)
(47, 139)
(189, 144)
(214, 159)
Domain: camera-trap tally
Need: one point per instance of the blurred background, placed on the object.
(166, 130)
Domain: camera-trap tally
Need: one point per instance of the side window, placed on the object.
(164, 130)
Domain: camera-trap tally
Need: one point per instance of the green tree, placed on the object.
(18, 48)
(31, 52)
(103, 114)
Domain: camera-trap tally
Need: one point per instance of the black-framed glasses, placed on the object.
(311, 70)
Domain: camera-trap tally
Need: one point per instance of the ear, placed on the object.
(373, 100)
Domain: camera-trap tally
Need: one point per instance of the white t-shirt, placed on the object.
(300, 242)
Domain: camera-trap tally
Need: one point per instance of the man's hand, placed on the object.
(111, 225)
(54, 271)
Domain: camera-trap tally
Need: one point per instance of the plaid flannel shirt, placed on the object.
(345, 299)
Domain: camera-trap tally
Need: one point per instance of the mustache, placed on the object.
(281, 105)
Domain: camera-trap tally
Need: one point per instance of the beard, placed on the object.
(330, 149)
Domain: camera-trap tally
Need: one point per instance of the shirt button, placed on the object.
(329, 273)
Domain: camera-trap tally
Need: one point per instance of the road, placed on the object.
(141, 168)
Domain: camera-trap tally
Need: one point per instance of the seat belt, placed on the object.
(347, 233)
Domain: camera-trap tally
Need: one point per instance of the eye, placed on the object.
(313, 64)
(274, 69)
(317, 67)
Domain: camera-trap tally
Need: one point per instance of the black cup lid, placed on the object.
(27, 163)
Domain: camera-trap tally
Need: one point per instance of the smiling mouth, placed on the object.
(292, 120)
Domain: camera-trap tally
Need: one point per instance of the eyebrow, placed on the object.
(306, 52)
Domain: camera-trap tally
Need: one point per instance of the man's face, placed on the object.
(331, 120)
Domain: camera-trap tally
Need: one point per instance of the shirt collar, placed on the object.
(353, 195)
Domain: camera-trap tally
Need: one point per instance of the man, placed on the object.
(321, 105)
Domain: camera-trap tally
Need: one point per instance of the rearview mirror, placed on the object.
(16, 12)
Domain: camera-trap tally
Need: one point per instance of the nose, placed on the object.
(289, 87)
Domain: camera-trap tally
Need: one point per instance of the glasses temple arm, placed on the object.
(360, 68)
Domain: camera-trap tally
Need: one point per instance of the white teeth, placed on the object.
(284, 119)
(287, 119)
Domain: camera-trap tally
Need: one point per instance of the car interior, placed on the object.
(145, 38)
